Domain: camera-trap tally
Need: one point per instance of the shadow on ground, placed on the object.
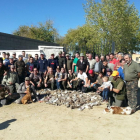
(6, 124)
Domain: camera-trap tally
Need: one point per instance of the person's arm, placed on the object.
(46, 64)
(32, 83)
(119, 87)
(87, 68)
(20, 89)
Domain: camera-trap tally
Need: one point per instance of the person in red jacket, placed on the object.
(112, 59)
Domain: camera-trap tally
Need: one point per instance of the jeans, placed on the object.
(58, 84)
(105, 94)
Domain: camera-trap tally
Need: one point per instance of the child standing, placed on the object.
(106, 87)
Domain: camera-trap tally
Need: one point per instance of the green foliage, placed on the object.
(44, 32)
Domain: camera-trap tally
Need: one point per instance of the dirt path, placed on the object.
(40, 121)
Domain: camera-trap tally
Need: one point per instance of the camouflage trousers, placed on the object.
(132, 88)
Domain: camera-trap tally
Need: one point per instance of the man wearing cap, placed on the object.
(42, 64)
(11, 62)
(131, 71)
(14, 57)
(92, 80)
(109, 74)
(11, 80)
(82, 64)
(91, 61)
(20, 69)
(53, 63)
(22, 90)
(61, 61)
(68, 63)
(119, 90)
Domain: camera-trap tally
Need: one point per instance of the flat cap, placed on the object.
(60, 52)
(10, 57)
(27, 79)
(81, 54)
(20, 56)
(14, 53)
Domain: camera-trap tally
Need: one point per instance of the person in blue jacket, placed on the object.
(120, 69)
(53, 63)
(42, 64)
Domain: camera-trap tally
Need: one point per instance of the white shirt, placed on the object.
(107, 84)
(82, 76)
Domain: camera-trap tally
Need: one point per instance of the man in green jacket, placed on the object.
(119, 90)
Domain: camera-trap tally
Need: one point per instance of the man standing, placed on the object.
(6, 60)
(82, 64)
(120, 69)
(4, 55)
(20, 68)
(52, 63)
(14, 57)
(91, 61)
(11, 62)
(30, 66)
(131, 71)
(107, 65)
(112, 59)
(36, 60)
(68, 63)
(74, 67)
(42, 64)
(61, 61)
(98, 67)
(25, 59)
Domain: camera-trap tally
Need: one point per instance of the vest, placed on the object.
(122, 93)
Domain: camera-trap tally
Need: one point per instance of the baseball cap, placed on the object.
(20, 56)
(115, 73)
(90, 71)
(67, 55)
(41, 53)
(14, 53)
(52, 53)
(81, 54)
(109, 70)
(27, 79)
(60, 52)
(10, 57)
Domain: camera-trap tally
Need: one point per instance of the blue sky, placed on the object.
(66, 14)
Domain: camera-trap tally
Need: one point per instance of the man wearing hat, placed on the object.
(22, 90)
(82, 64)
(68, 63)
(14, 57)
(53, 63)
(118, 91)
(61, 61)
(11, 62)
(11, 80)
(20, 68)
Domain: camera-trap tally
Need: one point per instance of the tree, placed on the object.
(115, 21)
(44, 32)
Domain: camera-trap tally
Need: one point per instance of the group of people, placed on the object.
(114, 76)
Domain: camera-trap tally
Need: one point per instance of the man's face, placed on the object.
(120, 57)
(50, 70)
(107, 57)
(62, 70)
(91, 75)
(60, 55)
(4, 55)
(123, 63)
(11, 60)
(111, 57)
(20, 58)
(100, 75)
(82, 57)
(67, 57)
(115, 77)
(70, 72)
(109, 73)
(81, 72)
(31, 60)
(52, 56)
(127, 59)
(35, 71)
(7, 56)
(89, 56)
(105, 64)
(42, 56)
(36, 57)
(14, 55)
(76, 55)
(27, 82)
(102, 58)
(23, 53)
(97, 59)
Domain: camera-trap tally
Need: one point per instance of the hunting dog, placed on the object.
(27, 98)
(118, 110)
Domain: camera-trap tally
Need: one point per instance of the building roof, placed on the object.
(13, 42)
